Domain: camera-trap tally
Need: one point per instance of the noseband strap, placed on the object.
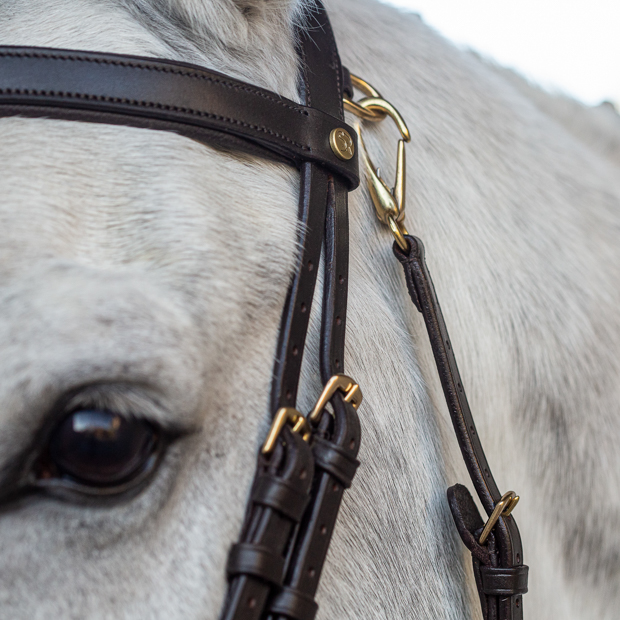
(274, 570)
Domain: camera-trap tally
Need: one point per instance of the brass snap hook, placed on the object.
(389, 203)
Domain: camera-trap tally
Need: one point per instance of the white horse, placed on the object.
(146, 273)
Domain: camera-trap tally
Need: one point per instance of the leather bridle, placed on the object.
(307, 461)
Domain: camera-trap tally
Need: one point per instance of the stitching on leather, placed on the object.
(150, 104)
(157, 68)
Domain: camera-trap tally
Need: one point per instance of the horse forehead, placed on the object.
(118, 195)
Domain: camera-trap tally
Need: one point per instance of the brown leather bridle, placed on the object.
(307, 461)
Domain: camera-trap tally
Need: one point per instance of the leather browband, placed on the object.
(157, 94)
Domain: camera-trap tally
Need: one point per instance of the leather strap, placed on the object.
(257, 562)
(337, 439)
(158, 94)
(321, 83)
(504, 581)
(503, 550)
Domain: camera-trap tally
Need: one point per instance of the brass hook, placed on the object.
(389, 203)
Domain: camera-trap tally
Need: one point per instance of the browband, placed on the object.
(205, 105)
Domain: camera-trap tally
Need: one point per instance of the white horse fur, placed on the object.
(145, 272)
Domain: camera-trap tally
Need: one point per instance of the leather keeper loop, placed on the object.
(293, 604)
(280, 495)
(504, 581)
(255, 560)
(334, 460)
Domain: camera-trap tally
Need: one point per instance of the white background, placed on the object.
(568, 45)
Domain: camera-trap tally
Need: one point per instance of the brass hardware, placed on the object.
(301, 424)
(284, 415)
(369, 91)
(342, 144)
(352, 394)
(503, 508)
(389, 203)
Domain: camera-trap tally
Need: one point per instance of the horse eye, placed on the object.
(100, 448)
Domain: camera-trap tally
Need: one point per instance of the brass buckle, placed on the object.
(284, 415)
(352, 394)
(301, 424)
(502, 509)
(389, 203)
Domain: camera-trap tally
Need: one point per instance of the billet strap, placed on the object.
(501, 577)
(172, 96)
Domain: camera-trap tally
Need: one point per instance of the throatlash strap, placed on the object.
(503, 549)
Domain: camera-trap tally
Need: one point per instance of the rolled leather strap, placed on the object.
(504, 546)
(335, 460)
(294, 604)
(257, 560)
(504, 581)
(281, 495)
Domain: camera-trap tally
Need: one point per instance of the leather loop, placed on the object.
(467, 520)
(293, 604)
(333, 459)
(257, 560)
(281, 495)
(504, 581)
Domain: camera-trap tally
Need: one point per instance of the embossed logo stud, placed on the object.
(342, 144)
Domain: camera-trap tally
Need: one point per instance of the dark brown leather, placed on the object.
(504, 581)
(296, 313)
(508, 554)
(340, 433)
(174, 96)
(256, 564)
(320, 86)
(335, 443)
